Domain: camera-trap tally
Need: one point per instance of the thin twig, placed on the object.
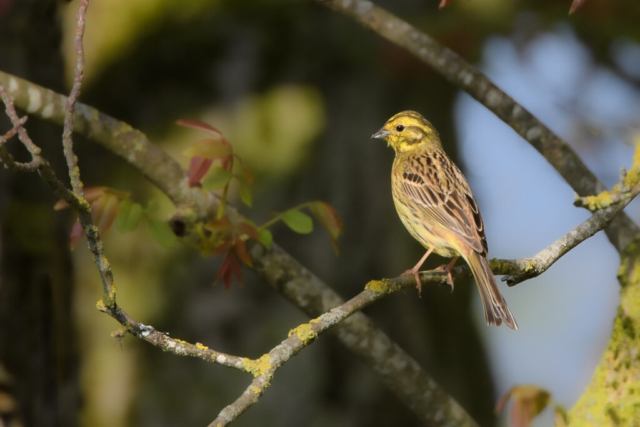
(90, 230)
(22, 132)
(67, 133)
(173, 345)
(544, 259)
(10, 134)
(468, 78)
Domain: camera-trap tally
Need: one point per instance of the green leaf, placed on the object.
(217, 178)
(266, 238)
(297, 221)
(245, 194)
(328, 217)
(161, 232)
(152, 208)
(129, 215)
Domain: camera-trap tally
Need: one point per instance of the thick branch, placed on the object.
(558, 153)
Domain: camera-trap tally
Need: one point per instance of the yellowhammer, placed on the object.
(436, 205)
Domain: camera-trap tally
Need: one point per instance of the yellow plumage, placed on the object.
(436, 205)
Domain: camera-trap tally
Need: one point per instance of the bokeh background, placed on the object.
(298, 90)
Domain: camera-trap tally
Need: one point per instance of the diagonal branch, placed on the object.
(533, 267)
(558, 153)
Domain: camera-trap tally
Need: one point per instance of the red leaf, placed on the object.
(243, 254)
(198, 168)
(329, 219)
(444, 3)
(104, 211)
(227, 163)
(227, 279)
(575, 5)
(224, 268)
(77, 233)
(235, 267)
(198, 125)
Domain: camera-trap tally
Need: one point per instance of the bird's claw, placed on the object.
(415, 274)
(447, 269)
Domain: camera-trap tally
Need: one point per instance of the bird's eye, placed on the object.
(400, 128)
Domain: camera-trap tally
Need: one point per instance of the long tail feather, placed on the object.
(496, 310)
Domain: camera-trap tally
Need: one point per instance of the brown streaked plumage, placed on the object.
(436, 205)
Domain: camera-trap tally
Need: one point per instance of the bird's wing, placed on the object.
(435, 185)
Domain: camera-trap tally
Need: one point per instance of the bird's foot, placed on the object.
(447, 269)
(414, 272)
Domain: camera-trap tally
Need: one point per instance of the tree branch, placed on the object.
(558, 153)
(14, 130)
(532, 267)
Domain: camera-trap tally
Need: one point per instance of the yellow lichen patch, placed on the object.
(180, 341)
(633, 176)
(100, 306)
(382, 286)
(305, 333)
(202, 346)
(256, 390)
(257, 367)
(600, 201)
(109, 299)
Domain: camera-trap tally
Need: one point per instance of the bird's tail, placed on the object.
(496, 310)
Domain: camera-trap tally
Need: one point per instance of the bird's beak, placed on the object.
(381, 134)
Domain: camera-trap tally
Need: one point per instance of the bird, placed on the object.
(436, 205)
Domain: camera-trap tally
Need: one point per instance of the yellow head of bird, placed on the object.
(407, 131)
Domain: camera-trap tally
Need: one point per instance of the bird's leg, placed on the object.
(414, 270)
(447, 268)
